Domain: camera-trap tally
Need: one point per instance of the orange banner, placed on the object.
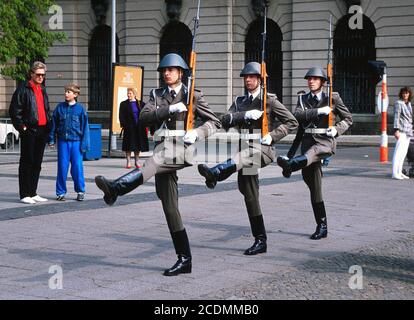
(125, 77)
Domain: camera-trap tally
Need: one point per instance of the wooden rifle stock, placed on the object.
(329, 70)
(190, 114)
(330, 75)
(263, 75)
(191, 79)
(265, 122)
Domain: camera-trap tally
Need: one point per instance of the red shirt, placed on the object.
(37, 89)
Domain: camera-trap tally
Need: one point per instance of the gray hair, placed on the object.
(37, 65)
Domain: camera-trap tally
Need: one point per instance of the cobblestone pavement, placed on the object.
(120, 252)
(387, 273)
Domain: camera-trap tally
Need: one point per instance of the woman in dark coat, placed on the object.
(134, 134)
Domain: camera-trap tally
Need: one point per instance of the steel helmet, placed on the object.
(316, 72)
(172, 60)
(251, 68)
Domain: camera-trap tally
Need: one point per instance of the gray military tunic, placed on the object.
(170, 153)
(253, 154)
(318, 146)
(276, 111)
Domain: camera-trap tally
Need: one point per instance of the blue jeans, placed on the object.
(69, 152)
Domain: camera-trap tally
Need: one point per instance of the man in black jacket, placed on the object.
(30, 113)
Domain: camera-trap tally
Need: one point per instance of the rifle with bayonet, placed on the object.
(329, 69)
(263, 75)
(191, 76)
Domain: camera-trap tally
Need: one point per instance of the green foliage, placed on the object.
(22, 36)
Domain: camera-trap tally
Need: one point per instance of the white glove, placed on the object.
(324, 110)
(253, 114)
(267, 140)
(178, 107)
(190, 137)
(331, 132)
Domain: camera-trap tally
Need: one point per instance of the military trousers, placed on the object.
(317, 152)
(168, 157)
(252, 157)
(312, 175)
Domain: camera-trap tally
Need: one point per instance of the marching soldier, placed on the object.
(318, 141)
(167, 111)
(245, 115)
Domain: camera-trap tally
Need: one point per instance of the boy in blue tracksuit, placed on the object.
(70, 125)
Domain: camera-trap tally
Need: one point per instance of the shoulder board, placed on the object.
(307, 95)
(197, 93)
(239, 99)
(159, 92)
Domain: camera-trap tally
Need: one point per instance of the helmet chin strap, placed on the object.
(180, 76)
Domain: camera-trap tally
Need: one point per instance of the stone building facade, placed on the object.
(229, 35)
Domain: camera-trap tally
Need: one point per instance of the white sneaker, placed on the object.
(398, 177)
(38, 198)
(404, 176)
(27, 200)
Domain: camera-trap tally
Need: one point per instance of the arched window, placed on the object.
(100, 68)
(176, 38)
(274, 56)
(353, 78)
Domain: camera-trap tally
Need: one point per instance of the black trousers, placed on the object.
(31, 156)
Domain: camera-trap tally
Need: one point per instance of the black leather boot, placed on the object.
(321, 222)
(259, 233)
(114, 188)
(291, 165)
(218, 173)
(183, 265)
(182, 248)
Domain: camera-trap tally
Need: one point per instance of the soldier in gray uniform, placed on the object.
(245, 115)
(318, 141)
(167, 111)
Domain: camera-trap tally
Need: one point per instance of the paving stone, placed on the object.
(121, 251)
